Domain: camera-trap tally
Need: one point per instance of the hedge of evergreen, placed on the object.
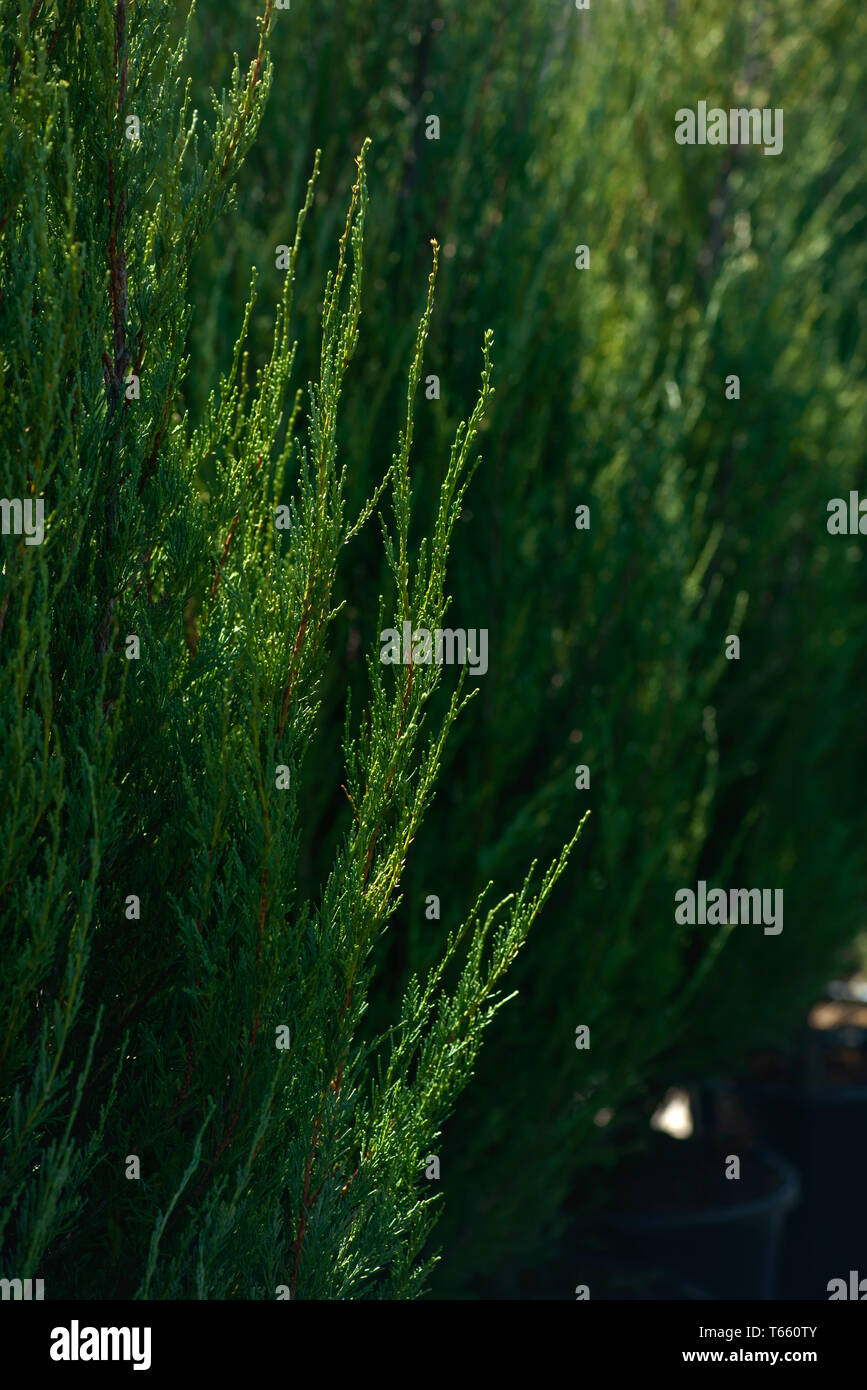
(254, 778)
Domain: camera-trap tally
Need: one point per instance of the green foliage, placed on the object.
(708, 517)
(606, 646)
(165, 653)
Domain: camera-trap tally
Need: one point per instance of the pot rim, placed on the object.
(815, 1095)
(784, 1197)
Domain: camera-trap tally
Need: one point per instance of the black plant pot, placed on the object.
(822, 1130)
(730, 1248)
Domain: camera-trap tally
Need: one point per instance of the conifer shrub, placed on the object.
(193, 1101)
(706, 519)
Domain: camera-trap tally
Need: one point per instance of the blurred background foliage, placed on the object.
(708, 515)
